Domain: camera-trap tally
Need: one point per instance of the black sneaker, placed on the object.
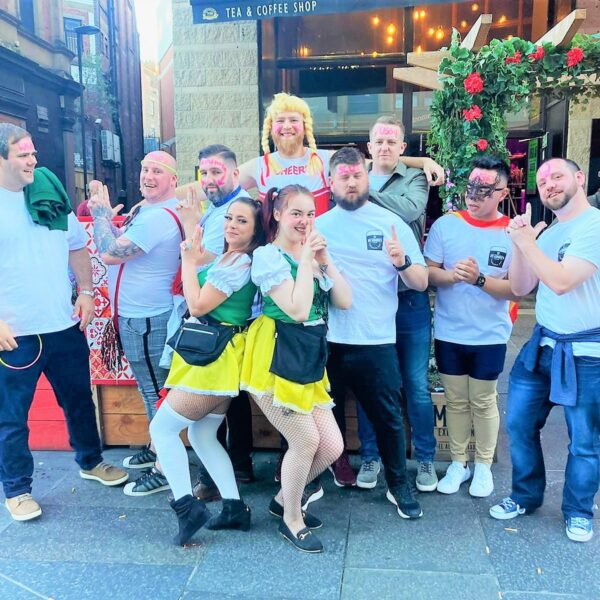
(406, 504)
(143, 459)
(312, 492)
(151, 482)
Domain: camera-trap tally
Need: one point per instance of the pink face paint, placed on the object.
(25, 146)
(279, 126)
(483, 176)
(386, 130)
(209, 163)
(348, 169)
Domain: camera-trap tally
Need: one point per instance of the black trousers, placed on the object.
(373, 375)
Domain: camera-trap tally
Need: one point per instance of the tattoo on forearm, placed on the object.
(105, 237)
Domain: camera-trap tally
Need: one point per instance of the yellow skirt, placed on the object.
(259, 381)
(219, 378)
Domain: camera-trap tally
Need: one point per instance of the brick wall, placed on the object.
(216, 87)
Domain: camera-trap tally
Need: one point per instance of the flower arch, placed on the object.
(478, 90)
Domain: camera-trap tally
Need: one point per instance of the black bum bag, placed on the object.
(200, 344)
(300, 352)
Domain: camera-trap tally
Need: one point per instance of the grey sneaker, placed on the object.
(151, 482)
(367, 476)
(427, 478)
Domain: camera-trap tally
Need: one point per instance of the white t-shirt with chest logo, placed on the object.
(355, 240)
(578, 309)
(464, 313)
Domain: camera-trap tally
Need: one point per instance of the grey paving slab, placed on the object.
(366, 584)
(262, 564)
(83, 581)
(449, 537)
(538, 557)
(96, 534)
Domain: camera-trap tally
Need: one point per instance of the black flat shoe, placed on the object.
(306, 541)
(310, 521)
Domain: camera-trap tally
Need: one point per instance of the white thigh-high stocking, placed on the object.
(203, 437)
(165, 428)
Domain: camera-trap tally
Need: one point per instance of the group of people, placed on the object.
(320, 285)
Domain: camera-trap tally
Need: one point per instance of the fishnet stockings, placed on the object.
(196, 406)
(314, 442)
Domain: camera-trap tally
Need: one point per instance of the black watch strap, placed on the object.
(407, 263)
(480, 281)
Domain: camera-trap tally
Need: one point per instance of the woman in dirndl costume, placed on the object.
(286, 351)
(199, 396)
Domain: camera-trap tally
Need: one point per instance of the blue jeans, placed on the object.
(527, 410)
(143, 342)
(65, 362)
(413, 346)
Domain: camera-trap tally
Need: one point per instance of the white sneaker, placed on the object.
(455, 476)
(483, 482)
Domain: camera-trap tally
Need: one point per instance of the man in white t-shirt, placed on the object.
(468, 253)
(143, 260)
(561, 362)
(40, 330)
(373, 247)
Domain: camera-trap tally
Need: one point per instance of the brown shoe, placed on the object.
(105, 474)
(23, 507)
(207, 493)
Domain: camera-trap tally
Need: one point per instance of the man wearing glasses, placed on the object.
(468, 253)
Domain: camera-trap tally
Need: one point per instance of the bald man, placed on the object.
(143, 260)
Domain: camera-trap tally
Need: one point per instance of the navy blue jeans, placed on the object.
(413, 346)
(372, 373)
(65, 362)
(527, 410)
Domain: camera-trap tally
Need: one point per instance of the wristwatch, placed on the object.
(89, 293)
(480, 281)
(407, 263)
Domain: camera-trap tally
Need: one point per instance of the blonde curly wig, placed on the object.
(283, 102)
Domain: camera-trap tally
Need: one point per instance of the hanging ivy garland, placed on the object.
(468, 116)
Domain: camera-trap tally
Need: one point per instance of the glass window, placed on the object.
(355, 34)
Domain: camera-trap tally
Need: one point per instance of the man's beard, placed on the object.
(567, 196)
(351, 205)
(289, 145)
(216, 196)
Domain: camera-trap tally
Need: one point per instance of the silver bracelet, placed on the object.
(89, 293)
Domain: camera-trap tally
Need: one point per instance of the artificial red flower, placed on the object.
(574, 56)
(516, 59)
(473, 113)
(538, 54)
(474, 83)
(482, 145)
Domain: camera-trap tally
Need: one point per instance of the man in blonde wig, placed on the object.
(296, 159)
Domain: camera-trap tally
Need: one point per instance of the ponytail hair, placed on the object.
(278, 200)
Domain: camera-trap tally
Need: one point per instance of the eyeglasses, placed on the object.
(480, 192)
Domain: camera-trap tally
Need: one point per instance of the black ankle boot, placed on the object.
(235, 515)
(192, 514)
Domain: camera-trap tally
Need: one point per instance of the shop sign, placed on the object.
(218, 11)
(532, 165)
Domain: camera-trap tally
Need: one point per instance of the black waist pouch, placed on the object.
(300, 352)
(200, 344)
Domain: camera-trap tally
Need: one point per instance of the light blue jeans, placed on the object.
(143, 342)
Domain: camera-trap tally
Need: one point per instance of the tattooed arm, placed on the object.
(114, 249)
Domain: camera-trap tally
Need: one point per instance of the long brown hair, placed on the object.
(278, 200)
(259, 237)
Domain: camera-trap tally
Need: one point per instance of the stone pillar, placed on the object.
(216, 87)
(579, 138)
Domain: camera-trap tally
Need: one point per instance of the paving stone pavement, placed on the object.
(95, 543)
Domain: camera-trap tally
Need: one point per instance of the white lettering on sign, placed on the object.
(233, 13)
(272, 10)
(305, 6)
